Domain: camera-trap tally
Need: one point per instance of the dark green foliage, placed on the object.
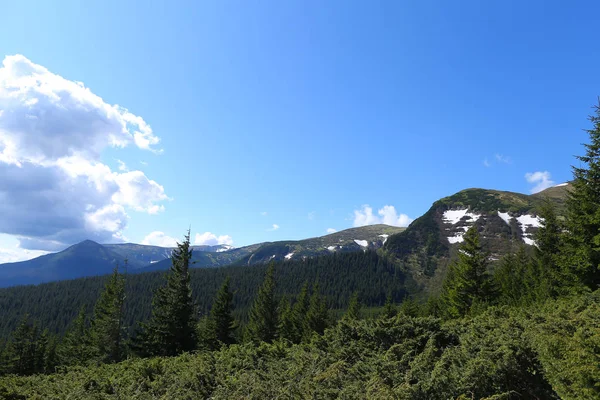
(29, 351)
(514, 278)
(56, 304)
(582, 243)
(264, 319)
(172, 328)
(75, 348)
(468, 283)
(222, 323)
(106, 330)
(317, 315)
(353, 311)
(389, 308)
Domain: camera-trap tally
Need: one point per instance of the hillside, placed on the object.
(89, 258)
(506, 220)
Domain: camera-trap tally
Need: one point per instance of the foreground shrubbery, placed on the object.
(503, 353)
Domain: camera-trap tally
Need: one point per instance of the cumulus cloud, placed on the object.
(331, 230)
(158, 238)
(386, 215)
(122, 166)
(210, 239)
(274, 227)
(541, 179)
(54, 189)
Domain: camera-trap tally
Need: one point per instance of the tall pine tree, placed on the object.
(581, 253)
(468, 284)
(75, 347)
(106, 331)
(317, 315)
(264, 321)
(172, 328)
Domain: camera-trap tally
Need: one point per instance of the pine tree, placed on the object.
(468, 283)
(22, 349)
(581, 252)
(515, 278)
(221, 315)
(263, 323)
(353, 311)
(75, 348)
(287, 330)
(317, 315)
(172, 328)
(106, 331)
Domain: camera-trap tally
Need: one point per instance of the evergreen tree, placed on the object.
(299, 312)
(317, 315)
(172, 328)
(547, 253)
(389, 308)
(515, 279)
(353, 311)
(263, 323)
(22, 352)
(287, 330)
(221, 315)
(468, 283)
(75, 348)
(410, 307)
(581, 259)
(106, 331)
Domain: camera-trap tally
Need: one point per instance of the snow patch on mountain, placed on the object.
(454, 216)
(331, 248)
(456, 239)
(505, 217)
(362, 243)
(561, 184)
(289, 256)
(527, 221)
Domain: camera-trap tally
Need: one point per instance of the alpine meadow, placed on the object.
(322, 200)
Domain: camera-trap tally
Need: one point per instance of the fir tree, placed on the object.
(468, 283)
(317, 314)
(22, 352)
(581, 252)
(287, 330)
(172, 328)
(514, 278)
(106, 331)
(263, 323)
(221, 315)
(299, 312)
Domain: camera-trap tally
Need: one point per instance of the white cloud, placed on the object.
(331, 230)
(274, 227)
(55, 190)
(122, 166)
(264, 213)
(540, 179)
(210, 239)
(386, 215)
(312, 215)
(503, 159)
(486, 163)
(158, 238)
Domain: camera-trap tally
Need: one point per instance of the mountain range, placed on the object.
(505, 220)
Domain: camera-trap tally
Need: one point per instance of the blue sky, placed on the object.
(287, 114)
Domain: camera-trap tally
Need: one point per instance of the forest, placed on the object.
(530, 329)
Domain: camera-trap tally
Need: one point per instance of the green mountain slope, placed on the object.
(506, 220)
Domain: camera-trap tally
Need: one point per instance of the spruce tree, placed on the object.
(389, 308)
(317, 315)
(22, 349)
(468, 283)
(515, 278)
(287, 329)
(221, 315)
(75, 347)
(353, 311)
(106, 330)
(299, 312)
(581, 253)
(263, 323)
(548, 241)
(172, 328)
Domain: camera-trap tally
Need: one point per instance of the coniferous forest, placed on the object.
(332, 327)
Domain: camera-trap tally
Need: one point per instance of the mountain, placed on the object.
(90, 258)
(506, 220)
(87, 258)
(353, 239)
